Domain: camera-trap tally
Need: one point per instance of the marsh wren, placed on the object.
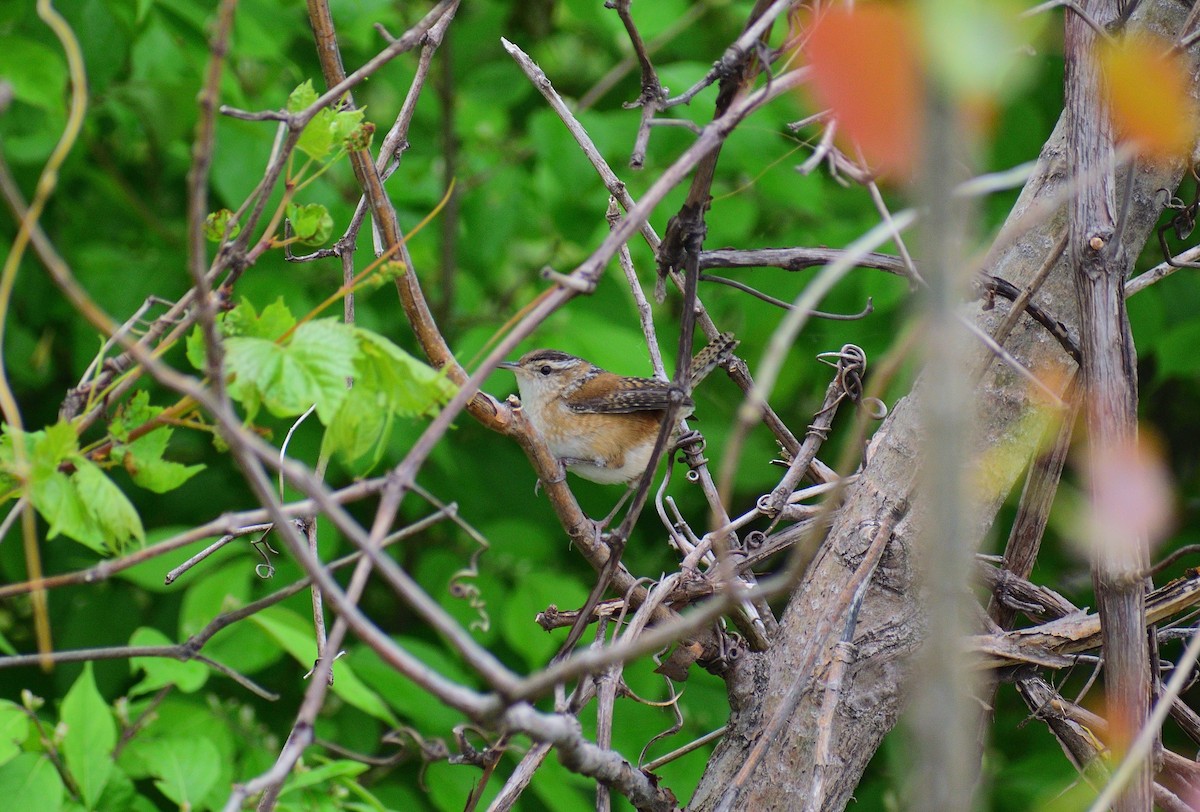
(602, 426)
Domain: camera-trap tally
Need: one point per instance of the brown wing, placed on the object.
(626, 401)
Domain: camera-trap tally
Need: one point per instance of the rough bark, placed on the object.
(890, 624)
(1100, 261)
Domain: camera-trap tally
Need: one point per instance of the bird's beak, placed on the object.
(508, 365)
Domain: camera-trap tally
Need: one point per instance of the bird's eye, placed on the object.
(546, 370)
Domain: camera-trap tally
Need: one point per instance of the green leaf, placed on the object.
(311, 223)
(30, 781)
(346, 124)
(239, 741)
(161, 671)
(14, 727)
(156, 474)
(91, 736)
(363, 423)
(319, 775)
(388, 383)
(328, 129)
(194, 349)
(57, 499)
(55, 494)
(411, 387)
(1176, 352)
(143, 458)
(107, 505)
(303, 96)
(35, 71)
(184, 768)
(273, 322)
(317, 139)
(311, 369)
(401, 693)
(55, 445)
(136, 411)
(122, 794)
(216, 224)
(296, 636)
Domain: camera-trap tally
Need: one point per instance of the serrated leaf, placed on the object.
(317, 140)
(14, 727)
(116, 518)
(310, 369)
(303, 96)
(90, 738)
(273, 322)
(187, 676)
(362, 423)
(216, 223)
(244, 321)
(345, 122)
(30, 781)
(311, 223)
(159, 475)
(294, 634)
(57, 499)
(54, 445)
(143, 459)
(184, 768)
(136, 411)
(412, 387)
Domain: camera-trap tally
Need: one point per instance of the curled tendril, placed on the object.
(754, 540)
(876, 408)
(265, 569)
(473, 595)
(692, 446)
(851, 364)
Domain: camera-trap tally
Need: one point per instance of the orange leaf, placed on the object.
(1148, 96)
(865, 68)
(1131, 491)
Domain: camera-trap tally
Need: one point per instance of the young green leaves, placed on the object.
(275, 363)
(327, 136)
(143, 457)
(329, 129)
(72, 493)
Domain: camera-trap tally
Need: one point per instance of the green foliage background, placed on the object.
(526, 198)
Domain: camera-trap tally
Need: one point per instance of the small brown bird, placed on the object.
(602, 425)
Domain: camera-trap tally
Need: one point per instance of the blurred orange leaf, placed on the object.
(1131, 492)
(865, 68)
(1148, 95)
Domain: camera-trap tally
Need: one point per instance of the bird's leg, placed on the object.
(620, 504)
(561, 476)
